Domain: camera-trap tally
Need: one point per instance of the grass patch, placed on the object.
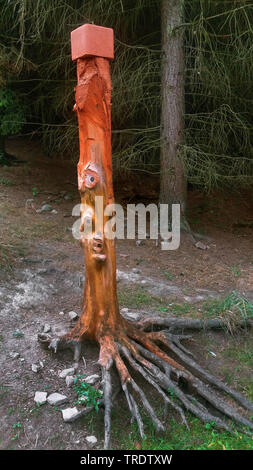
(138, 297)
(6, 181)
(241, 352)
(199, 437)
(232, 309)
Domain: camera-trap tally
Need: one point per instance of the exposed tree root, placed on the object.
(180, 381)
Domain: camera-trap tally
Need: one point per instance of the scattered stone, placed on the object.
(41, 364)
(136, 271)
(133, 316)
(73, 315)
(61, 313)
(46, 328)
(201, 246)
(44, 208)
(56, 399)
(54, 211)
(40, 397)
(124, 310)
(91, 440)
(22, 359)
(63, 374)
(71, 414)
(92, 379)
(35, 368)
(70, 380)
(82, 400)
(14, 355)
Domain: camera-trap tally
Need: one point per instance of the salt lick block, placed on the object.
(92, 40)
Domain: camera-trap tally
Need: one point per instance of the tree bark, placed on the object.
(172, 181)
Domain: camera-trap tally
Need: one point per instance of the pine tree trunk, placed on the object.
(172, 181)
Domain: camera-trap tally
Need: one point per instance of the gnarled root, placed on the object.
(161, 360)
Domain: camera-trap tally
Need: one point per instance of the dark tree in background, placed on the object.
(215, 149)
(172, 174)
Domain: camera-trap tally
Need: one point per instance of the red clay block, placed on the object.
(92, 40)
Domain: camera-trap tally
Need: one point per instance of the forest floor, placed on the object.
(42, 274)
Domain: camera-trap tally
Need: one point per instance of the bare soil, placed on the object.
(42, 274)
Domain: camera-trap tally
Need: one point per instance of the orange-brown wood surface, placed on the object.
(100, 315)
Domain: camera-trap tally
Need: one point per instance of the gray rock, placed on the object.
(136, 271)
(73, 315)
(124, 310)
(71, 414)
(92, 379)
(46, 328)
(56, 399)
(40, 397)
(70, 380)
(133, 316)
(45, 208)
(201, 246)
(91, 440)
(66, 372)
(14, 354)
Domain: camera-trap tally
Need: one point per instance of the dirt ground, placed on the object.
(42, 274)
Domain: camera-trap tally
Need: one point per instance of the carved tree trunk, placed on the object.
(93, 107)
(123, 344)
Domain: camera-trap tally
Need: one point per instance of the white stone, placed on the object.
(66, 372)
(47, 328)
(61, 313)
(56, 399)
(124, 310)
(73, 315)
(133, 316)
(40, 397)
(92, 379)
(70, 380)
(70, 414)
(14, 355)
(91, 440)
(35, 368)
(82, 400)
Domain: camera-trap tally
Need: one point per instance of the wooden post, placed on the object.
(92, 48)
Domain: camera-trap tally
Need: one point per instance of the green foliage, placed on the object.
(85, 390)
(234, 302)
(217, 148)
(6, 181)
(199, 437)
(11, 112)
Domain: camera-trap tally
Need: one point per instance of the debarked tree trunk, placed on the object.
(156, 355)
